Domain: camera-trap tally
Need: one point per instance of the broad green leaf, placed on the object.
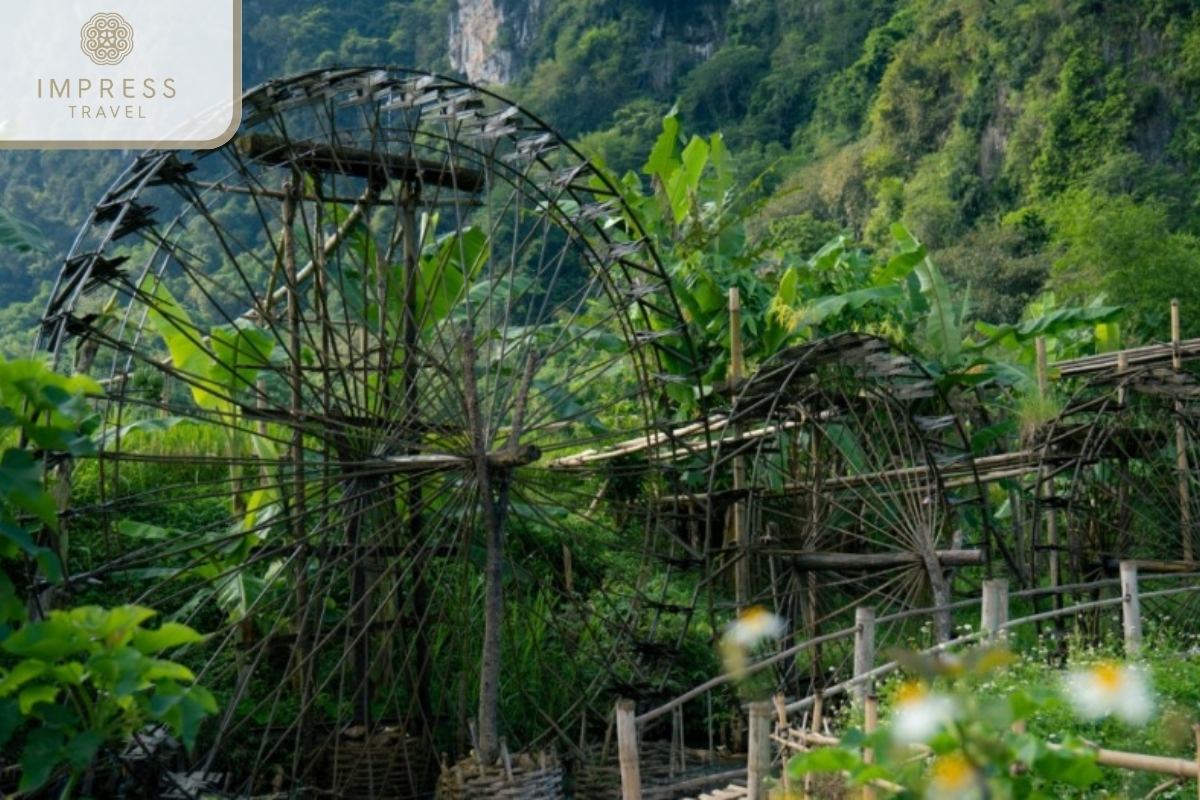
(71, 673)
(17, 234)
(237, 593)
(827, 759)
(149, 425)
(82, 748)
(1051, 324)
(184, 341)
(454, 263)
(21, 485)
(170, 634)
(144, 530)
(1108, 337)
(48, 640)
(121, 671)
(10, 719)
(30, 696)
(899, 266)
(21, 674)
(113, 626)
(823, 308)
(240, 350)
(683, 185)
(161, 669)
(183, 709)
(42, 754)
(1066, 766)
(941, 324)
(662, 161)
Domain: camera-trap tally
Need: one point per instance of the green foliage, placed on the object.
(73, 681)
(19, 235)
(948, 739)
(88, 677)
(1126, 249)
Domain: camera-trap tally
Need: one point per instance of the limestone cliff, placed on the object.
(487, 37)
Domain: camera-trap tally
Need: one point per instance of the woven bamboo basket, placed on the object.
(387, 765)
(523, 776)
(599, 777)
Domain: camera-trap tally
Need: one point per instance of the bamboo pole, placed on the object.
(1181, 459)
(741, 533)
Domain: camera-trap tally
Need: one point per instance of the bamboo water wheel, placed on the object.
(1118, 478)
(848, 478)
(338, 354)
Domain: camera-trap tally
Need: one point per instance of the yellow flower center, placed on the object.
(1108, 677)
(911, 692)
(952, 773)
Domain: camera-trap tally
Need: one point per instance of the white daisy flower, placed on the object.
(953, 777)
(920, 713)
(754, 626)
(1111, 688)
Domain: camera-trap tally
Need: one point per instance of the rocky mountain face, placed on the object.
(489, 37)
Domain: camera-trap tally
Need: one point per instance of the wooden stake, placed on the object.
(1196, 730)
(870, 723)
(1131, 608)
(816, 729)
(627, 751)
(864, 649)
(995, 608)
(758, 762)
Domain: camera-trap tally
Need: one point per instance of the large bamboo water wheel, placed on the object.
(338, 354)
(844, 477)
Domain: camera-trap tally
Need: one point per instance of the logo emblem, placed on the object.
(106, 39)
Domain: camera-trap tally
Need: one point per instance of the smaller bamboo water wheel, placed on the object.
(844, 477)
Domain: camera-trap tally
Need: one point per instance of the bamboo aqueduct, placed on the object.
(424, 379)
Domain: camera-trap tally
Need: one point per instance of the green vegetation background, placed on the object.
(1025, 142)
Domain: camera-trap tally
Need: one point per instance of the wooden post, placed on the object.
(864, 649)
(1181, 459)
(1043, 383)
(1043, 366)
(870, 723)
(816, 728)
(1196, 730)
(758, 762)
(1131, 607)
(627, 751)
(995, 608)
(741, 532)
(1122, 366)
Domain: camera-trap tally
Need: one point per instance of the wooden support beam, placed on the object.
(362, 163)
(863, 562)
